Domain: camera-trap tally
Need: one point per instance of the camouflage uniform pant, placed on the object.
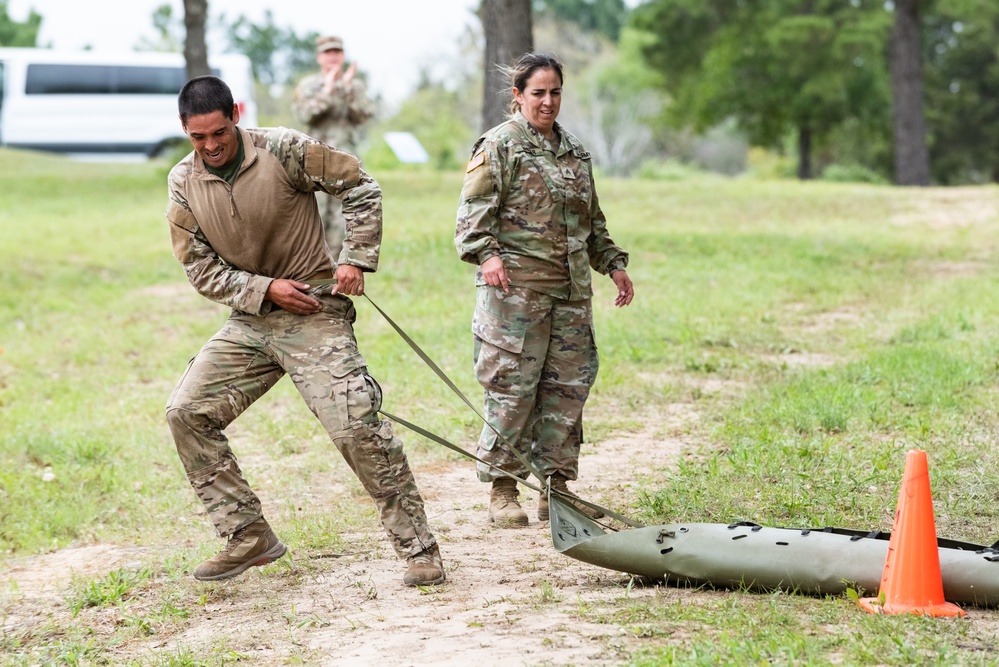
(245, 359)
(536, 358)
(334, 224)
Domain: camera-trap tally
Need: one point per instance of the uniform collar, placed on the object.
(249, 156)
(539, 141)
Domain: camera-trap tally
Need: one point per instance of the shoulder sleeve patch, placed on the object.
(314, 160)
(328, 164)
(181, 217)
(478, 179)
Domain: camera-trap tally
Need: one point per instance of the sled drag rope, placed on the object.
(442, 441)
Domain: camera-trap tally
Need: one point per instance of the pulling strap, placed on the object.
(441, 441)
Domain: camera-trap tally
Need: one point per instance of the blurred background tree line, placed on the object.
(863, 90)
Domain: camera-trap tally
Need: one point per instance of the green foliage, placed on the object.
(852, 173)
(776, 67)
(766, 164)
(606, 17)
(169, 32)
(13, 33)
(277, 54)
(614, 105)
(962, 90)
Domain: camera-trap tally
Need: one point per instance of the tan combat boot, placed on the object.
(559, 484)
(425, 568)
(251, 545)
(503, 506)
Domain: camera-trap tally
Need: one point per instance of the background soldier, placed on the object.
(245, 225)
(333, 105)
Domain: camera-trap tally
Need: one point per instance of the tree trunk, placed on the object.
(912, 156)
(804, 153)
(507, 26)
(195, 51)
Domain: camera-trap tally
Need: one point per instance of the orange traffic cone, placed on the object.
(911, 582)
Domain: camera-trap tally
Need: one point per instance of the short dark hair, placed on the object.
(525, 68)
(203, 95)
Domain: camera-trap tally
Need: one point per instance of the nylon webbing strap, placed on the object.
(450, 445)
(436, 369)
(441, 441)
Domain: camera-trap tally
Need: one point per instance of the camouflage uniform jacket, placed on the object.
(234, 240)
(533, 204)
(336, 117)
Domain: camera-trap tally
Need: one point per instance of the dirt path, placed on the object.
(510, 598)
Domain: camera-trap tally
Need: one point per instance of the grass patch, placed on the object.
(817, 331)
(113, 589)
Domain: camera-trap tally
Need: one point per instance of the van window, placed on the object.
(68, 80)
(150, 80)
(48, 79)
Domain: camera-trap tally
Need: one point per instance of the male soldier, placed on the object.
(245, 225)
(333, 105)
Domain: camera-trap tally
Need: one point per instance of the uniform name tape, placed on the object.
(475, 162)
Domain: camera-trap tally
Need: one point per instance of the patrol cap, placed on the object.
(328, 43)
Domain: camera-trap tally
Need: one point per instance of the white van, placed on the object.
(94, 102)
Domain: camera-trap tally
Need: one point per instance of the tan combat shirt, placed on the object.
(234, 240)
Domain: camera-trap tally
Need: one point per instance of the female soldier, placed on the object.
(530, 220)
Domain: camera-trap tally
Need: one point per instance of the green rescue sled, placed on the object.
(745, 555)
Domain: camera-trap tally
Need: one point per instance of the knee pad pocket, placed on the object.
(370, 448)
(361, 396)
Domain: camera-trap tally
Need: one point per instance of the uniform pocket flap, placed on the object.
(495, 331)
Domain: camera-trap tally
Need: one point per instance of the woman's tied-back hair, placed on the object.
(203, 95)
(525, 68)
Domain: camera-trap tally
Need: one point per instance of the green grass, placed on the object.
(818, 330)
(113, 589)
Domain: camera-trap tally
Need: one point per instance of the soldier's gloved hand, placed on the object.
(349, 280)
(292, 296)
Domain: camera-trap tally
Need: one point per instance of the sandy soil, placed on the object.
(510, 598)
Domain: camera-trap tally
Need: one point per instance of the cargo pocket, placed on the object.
(496, 331)
(499, 345)
(363, 398)
(355, 399)
(329, 386)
